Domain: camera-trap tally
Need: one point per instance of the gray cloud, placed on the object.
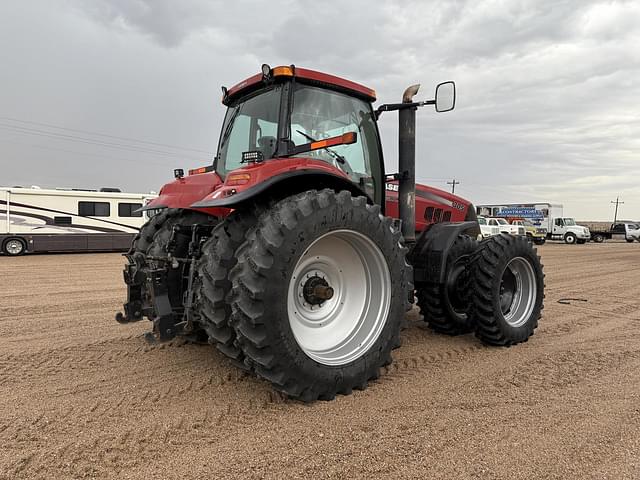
(547, 89)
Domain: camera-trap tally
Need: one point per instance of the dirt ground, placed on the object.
(81, 396)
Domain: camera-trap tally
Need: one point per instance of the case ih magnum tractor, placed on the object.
(297, 254)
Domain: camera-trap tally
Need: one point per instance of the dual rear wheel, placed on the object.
(494, 288)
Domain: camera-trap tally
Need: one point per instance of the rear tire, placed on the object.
(597, 238)
(218, 258)
(309, 243)
(629, 240)
(507, 289)
(445, 307)
(539, 241)
(14, 247)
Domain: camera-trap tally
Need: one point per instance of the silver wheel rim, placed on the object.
(14, 247)
(340, 329)
(518, 291)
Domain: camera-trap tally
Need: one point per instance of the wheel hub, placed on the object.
(316, 291)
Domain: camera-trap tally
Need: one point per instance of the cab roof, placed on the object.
(284, 72)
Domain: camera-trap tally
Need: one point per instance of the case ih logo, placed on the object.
(524, 212)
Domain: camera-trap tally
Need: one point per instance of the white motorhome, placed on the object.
(545, 215)
(68, 220)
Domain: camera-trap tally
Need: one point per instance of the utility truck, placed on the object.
(549, 216)
(297, 253)
(622, 230)
(69, 220)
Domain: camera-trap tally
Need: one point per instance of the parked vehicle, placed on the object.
(549, 216)
(537, 235)
(298, 259)
(487, 230)
(623, 230)
(504, 226)
(69, 220)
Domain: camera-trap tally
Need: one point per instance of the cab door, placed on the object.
(558, 226)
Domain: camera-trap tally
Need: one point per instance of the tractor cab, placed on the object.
(290, 112)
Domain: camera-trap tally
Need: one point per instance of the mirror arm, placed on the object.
(390, 107)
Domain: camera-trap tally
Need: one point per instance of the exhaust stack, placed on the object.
(407, 165)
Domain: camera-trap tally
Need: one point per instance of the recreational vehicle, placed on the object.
(68, 220)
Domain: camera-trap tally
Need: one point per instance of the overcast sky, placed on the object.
(120, 92)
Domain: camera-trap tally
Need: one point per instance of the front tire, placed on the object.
(570, 238)
(507, 290)
(319, 294)
(14, 247)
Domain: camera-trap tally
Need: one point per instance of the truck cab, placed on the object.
(630, 231)
(567, 229)
(487, 230)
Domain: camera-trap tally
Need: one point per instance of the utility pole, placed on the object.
(617, 202)
(453, 185)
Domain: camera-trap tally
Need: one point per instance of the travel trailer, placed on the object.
(69, 220)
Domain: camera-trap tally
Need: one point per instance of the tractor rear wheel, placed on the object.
(445, 306)
(507, 290)
(218, 258)
(319, 294)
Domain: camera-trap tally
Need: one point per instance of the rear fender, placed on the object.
(429, 254)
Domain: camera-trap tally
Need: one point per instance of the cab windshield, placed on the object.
(569, 222)
(249, 125)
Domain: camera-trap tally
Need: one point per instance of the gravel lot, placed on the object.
(81, 396)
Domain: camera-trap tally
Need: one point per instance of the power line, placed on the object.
(89, 132)
(164, 163)
(90, 141)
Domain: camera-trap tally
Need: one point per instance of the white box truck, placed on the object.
(68, 220)
(544, 215)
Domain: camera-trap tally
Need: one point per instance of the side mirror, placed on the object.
(445, 97)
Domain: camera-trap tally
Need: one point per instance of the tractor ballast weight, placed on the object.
(297, 254)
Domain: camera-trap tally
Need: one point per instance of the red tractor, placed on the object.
(297, 254)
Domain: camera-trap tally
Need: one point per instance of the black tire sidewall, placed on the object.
(568, 236)
(8, 253)
(522, 332)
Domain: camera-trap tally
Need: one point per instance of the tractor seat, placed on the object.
(267, 145)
